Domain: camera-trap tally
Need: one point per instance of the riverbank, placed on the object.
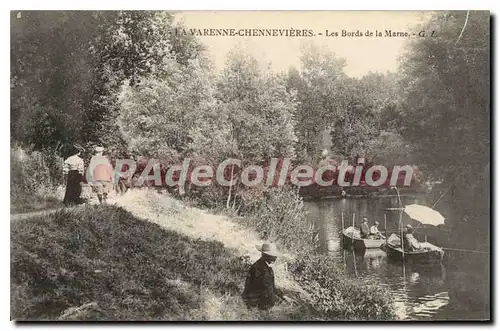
(151, 257)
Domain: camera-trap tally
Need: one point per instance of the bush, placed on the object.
(123, 268)
(211, 197)
(336, 296)
(278, 215)
(34, 177)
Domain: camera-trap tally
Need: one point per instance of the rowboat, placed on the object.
(434, 255)
(351, 238)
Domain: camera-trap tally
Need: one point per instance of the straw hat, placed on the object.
(268, 249)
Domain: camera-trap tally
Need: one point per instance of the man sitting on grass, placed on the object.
(260, 290)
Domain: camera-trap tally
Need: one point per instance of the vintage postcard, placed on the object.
(250, 165)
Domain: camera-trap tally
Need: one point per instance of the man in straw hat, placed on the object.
(260, 290)
(364, 229)
(100, 174)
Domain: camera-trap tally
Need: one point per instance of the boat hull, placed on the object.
(360, 244)
(424, 257)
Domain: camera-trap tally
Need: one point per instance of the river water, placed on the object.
(419, 292)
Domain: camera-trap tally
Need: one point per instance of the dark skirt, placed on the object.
(73, 188)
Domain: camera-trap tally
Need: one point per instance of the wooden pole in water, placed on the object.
(402, 246)
(402, 238)
(401, 231)
(342, 232)
(385, 225)
(343, 239)
(353, 218)
(353, 251)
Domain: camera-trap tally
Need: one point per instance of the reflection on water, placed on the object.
(417, 292)
(420, 292)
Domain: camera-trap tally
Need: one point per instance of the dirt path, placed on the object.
(197, 223)
(27, 215)
(172, 214)
(193, 222)
(23, 216)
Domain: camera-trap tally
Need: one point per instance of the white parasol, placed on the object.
(424, 215)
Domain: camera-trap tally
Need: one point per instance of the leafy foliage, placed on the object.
(446, 119)
(278, 215)
(320, 90)
(440, 111)
(259, 107)
(356, 113)
(67, 68)
(34, 176)
(335, 296)
(165, 109)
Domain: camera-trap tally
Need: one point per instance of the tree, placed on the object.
(50, 75)
(320, 89)
(356, 125)
(158, 117)
(260, 109)
(67, 69)
(389, 149)
(445, 116)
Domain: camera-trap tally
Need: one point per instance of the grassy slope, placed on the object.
(132, 269)
(30, 203)
(199, 224)
(180, 264)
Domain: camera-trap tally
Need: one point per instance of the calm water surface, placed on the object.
(420, 292)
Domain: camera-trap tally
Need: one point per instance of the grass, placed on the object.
(152, 258)
(31, 203)
(33, 180)
(131, 269)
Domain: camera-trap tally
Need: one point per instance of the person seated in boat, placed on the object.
(364, 229)
(375, 233)
(410, 242)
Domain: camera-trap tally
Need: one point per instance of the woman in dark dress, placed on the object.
(73, 172)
